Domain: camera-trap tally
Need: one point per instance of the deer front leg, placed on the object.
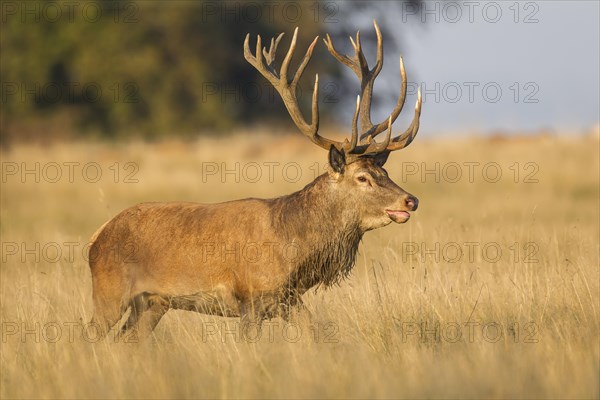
(251, 317)
(295, 311)
(256, 309)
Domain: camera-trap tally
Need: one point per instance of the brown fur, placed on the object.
(252, 258)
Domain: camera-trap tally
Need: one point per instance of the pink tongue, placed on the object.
(398, 216)
(404, 214)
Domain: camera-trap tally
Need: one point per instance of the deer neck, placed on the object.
(317, 208)
(323, 228)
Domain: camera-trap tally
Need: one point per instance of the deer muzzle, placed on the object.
(401, 215)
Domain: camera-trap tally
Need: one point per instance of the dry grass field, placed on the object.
(490, 290)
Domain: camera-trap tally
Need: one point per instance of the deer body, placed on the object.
(254, 258)
(220, 258)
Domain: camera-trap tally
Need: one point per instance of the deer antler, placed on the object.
(359, 145)
(286, 88)
(366, 76)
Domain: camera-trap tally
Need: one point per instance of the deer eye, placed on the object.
(362, 179)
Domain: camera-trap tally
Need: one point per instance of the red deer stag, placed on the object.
(156, 256)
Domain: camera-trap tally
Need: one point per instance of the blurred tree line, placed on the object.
(122, 68)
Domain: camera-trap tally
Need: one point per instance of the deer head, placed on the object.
(356, 165)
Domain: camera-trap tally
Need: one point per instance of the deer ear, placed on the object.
(337, 159)
(381, 158)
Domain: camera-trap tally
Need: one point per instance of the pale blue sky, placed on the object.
(554, 61)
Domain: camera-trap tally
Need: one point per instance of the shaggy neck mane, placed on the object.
(325, 230)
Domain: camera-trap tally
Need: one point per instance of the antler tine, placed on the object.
(386, 142)
(377, 129)
(383, 145)
(340, 57)
(408, 136)
(351, 146)
(259, 57)
(367, 86)
(286, 89)
(379, 62)
(270, 55)
(247, 54)
(288, 57)
(267, 55)
(374, 147)
(303, 64)
(315, 106)
(368, 81)
(359, 55)
(352, 41)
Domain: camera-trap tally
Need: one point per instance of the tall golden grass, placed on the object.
(490, 290)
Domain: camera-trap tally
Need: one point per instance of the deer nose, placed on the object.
(412, 203)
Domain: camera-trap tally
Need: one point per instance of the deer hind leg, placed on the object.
(138, 305)
(109, 307)
(146, 312)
